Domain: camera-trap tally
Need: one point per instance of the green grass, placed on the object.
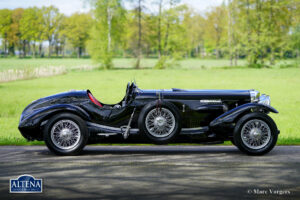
(16, 63)
(283, 85)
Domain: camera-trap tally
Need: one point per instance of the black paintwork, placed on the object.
(214, 118)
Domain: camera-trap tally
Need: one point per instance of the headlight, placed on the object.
(254, 95)
(264, 99)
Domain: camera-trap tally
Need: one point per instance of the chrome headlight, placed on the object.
(264, 99)
(254, 95)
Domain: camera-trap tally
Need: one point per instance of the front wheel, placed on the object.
(255, 134)
(65, 134)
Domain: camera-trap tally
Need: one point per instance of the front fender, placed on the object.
(231, 115)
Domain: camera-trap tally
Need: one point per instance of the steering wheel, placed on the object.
(127, 93)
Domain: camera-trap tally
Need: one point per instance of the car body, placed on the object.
(69, 120)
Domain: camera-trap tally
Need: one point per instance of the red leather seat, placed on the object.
(94, 100)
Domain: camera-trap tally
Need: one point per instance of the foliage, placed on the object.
(107, 31)
(162, 63)
(262, 31)
(76, 30)
(31, 26)
(216, 29)
(5, 28)
(263, 27)
(14, 36)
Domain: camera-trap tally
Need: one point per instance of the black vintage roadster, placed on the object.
(68, 121)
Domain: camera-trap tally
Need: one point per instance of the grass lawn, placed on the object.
(283, 85)
(15, 63)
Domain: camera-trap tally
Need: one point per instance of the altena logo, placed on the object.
(25, 184)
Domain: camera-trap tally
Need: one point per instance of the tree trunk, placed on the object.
(24, 48)
(63, 50)
(139, 51)
(159, 27)
(167, 29)
(19, 50)
(5, 48)
(272, 57)
(109, 18)
(33, 49)
(203, 52)
(271, 31)
(229, 31)
(249, 51)
(49, 48)
(29, 48)
(12, 50)
(236, 56)
(197, 51)
(217, 53)
(79, 52)
(40, 49)
(258, 32)
(56, 50)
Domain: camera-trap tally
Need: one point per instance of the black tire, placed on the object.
(255, 116)
(163, 105)
(232, 141)
(84, 134)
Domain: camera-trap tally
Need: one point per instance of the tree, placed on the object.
(51, 18)
(216, 29)
(194, 25)
(139, 50)
(160, 4)
(134, 29)
(264, 27)
(5, 26)
(168, 22)
(31, 27)
(76, 29)
(14, 36)
(107, 31)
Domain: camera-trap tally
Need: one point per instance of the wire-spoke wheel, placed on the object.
(255, 133)
(160, 122)
(65, 134)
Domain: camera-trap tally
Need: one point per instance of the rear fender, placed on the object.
(231, 115)
(43, 114)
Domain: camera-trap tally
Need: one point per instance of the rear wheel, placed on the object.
(255, 134)
(65, 134)
(160, 124)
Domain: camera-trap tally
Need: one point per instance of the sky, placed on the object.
(71, 6)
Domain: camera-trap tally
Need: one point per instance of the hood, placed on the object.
(198, 94)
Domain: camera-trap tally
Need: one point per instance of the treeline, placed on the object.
(26, 31)
(259, 30)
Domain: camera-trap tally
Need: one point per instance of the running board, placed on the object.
(108, 130)
(103, 130)
(194, 131)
